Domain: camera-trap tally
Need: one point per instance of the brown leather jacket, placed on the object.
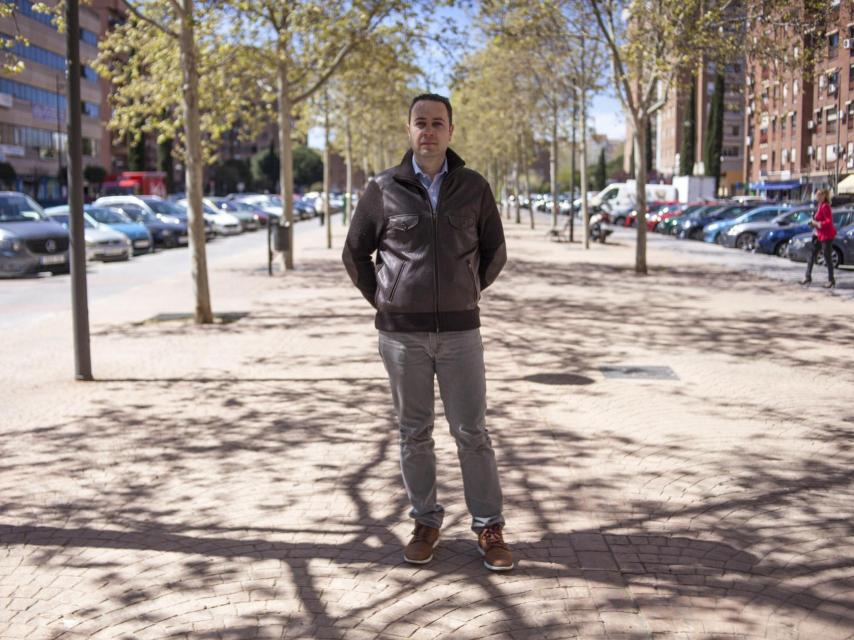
(431, 266)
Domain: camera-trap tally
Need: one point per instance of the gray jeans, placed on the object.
(455, 358)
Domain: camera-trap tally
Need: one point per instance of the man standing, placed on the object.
(439, 242)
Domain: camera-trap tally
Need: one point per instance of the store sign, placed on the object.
(12, 150)
(43, 112)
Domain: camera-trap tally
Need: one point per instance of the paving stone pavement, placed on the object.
(241, 480)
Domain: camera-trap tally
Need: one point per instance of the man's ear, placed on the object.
(450, 131)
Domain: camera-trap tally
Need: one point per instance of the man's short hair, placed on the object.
(435, 97)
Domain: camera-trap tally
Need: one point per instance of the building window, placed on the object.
(850, 109)
(817, 117)
(783, 119)
(792, 156)
(850, 77)
(830, 127)
(832, 45)
(736, 130)
(49, 59)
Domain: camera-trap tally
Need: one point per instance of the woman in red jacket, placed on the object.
(823, 237)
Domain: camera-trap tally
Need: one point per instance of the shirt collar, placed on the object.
(419, 172)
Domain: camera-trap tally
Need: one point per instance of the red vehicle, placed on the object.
(136, 183)
(652, 208)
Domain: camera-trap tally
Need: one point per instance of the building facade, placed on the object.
(33, 107)
(671, 118)
(800, 125)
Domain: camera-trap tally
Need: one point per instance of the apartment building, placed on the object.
(33, 108)
(800, 126)
(670, 120)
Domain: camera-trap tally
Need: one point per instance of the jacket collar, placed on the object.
(405, 171)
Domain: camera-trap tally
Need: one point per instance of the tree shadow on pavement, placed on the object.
(244, 502)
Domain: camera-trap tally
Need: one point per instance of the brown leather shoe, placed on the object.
(420, 547)
(496, 554)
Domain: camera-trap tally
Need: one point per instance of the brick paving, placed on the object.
(241, 480)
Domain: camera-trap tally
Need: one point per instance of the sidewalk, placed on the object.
(241, 480)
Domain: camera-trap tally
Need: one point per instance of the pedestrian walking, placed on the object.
(439, 243)
(822, 239)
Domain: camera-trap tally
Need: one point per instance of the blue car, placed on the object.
(776, 241)
(714, 232)
(138, 235)
(692, 228)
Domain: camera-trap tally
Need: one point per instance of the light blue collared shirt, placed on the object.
(432, 187)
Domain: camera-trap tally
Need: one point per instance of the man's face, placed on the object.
(429, 130)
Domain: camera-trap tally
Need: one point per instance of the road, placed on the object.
(25, 299)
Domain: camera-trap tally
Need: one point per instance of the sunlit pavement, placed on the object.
(241, 480)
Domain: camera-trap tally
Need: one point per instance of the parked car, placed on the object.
(139, 236)
(102, 243)
(223, 223)
(669, 226)
(164, 234)
(247, 221)
(776, 241)
(654, 223)
(234, 207)
(269, 203)
(154, 205)
(692, 226)
(715, 231)
(29, 241)
(800, 247)
(304, 208)
(743, 235)
(652, 208)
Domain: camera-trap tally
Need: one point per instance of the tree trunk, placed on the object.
(327, 212)
(286, 165)
(516, 170)
(348, 198)
(585, 211)
(574, 153)
(640, 145)
(192, 132)
(528, 184)
(553, 168)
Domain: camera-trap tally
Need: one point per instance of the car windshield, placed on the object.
(64, 218)
(107, 216)
(19, 208)
(162, 206)
(762, 213)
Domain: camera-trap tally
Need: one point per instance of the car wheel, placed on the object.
(696, 234)
(745, 241)
(620, 222)
(781, 249)
(719, 239)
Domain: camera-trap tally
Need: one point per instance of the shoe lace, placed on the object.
(493, 537)
(420, 532)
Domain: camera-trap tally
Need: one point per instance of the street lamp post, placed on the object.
(838, 128)
(79, 295)
(58, 136)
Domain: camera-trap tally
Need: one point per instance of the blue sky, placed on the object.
(606, 113)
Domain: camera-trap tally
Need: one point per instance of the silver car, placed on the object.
(29, 242)
(102, 243)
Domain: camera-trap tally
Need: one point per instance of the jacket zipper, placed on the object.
(433, 215)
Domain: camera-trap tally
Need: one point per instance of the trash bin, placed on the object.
(281, 237)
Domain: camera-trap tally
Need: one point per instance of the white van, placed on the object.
(621, 195)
